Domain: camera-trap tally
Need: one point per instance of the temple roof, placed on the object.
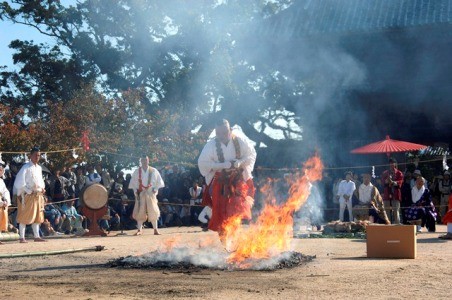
(311, 17)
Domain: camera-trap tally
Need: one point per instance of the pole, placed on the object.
(54, 252)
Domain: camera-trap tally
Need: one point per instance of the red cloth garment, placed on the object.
(228, 198)
(448, 217)
(392, 192)
(206, 197)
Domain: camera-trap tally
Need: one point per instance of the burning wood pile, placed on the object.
(194, 262)
(263, 245)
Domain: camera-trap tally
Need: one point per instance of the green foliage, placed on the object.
(164, 67)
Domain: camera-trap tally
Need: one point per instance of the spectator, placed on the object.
(416, 174)
(120, 178)
(55, 216)
(70, 175)
(124, 210)
(392, 180)
(344, 195)
(73, 221)
(105, 177)
(128, 191)
(167, 213)
(370, 202)
(81, 181)
(59, 184)
(110, 221)
(195, 192)
(422, 211)
(445, 190)
(406, 195)
(92, 177)
(185, 214)
(176, 184)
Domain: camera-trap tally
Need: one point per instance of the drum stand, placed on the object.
(94, 215)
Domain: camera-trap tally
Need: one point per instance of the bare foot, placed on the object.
(23, 241)
(138, 232)
(39, 240)
(1, 243)
(156, 232)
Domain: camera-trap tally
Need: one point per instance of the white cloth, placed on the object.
(156, 180)
(146, 207)
(416, 193)
(209, 163)
(29, 179)
(4, 193)
(92, 179)
(194, 195)
(345, 188)
(365, 193)
(413, 183)
(206, 212)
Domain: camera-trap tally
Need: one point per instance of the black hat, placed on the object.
(34, 149)
(348, 173)
(392, 160)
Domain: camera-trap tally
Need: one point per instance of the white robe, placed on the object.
(4, 193)
(146, 206)
(29, 179)
(209, 163)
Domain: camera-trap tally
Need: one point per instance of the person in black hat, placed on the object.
(30, 188)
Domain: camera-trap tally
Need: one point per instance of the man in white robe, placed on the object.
(145, 183)
(5, 201)
(30, 188)
(344, 195)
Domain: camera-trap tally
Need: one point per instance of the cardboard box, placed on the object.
(391, 241)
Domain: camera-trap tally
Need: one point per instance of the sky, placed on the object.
(10, 32)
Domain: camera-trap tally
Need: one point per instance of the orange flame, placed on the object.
(170, 243)
(272, 232)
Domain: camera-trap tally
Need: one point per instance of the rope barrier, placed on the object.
(199, 205)
(42, 151)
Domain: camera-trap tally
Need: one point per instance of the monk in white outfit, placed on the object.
(226, 162)
(145, 183)
(5, 201)
(30, 188)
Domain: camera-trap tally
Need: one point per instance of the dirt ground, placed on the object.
(340, 270)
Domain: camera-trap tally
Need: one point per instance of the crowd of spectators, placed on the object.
(180, 199)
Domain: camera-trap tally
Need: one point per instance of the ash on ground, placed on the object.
(181, 260)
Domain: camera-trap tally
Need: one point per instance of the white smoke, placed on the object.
(311, 213)
(207, 257)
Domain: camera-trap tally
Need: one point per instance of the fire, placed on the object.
(272, 232)
(170, 243)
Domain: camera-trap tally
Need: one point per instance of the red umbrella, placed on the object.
(388, 146)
